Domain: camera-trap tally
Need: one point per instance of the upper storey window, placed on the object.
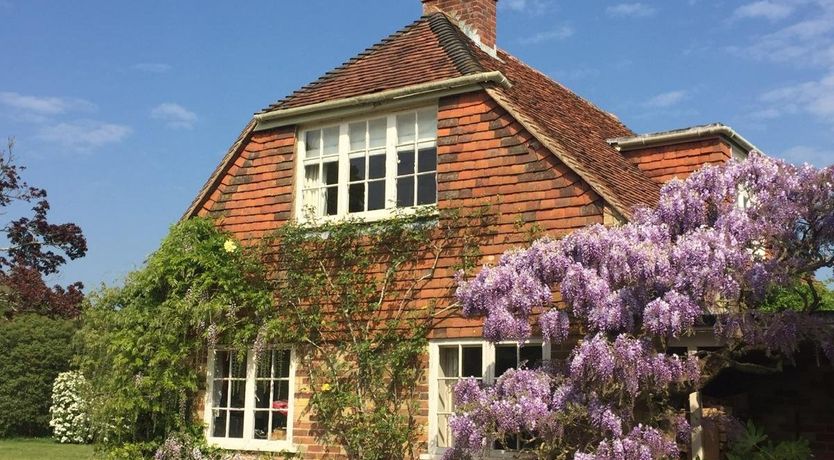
(369, 167)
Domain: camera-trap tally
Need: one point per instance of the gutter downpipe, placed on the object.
(389, 95)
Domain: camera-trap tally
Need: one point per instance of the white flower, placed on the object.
(230, 246)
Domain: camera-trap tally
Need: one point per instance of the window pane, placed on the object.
(312, 200)
(221, 364)
(219, 423)
(221, 393)
(427, 189)
(262, 396)
(263, 369)
(357, 136)
(235, 423)
(405, 128)
(332, 201)
(261, 424)
(376, 130)
(238, 390)
(279, 426)
(331, 173)
(238, 365)
(427, 124)
(427, 160)
(405, 162)
(331, 141)
(449, 362)
(472, 362)
(312, 142)
(357, 169)
(376, 195)
(405, 192)
(311, 174)
(356, 198)
(376, 167)
(531, 355)
(281, 390)
(282, 363)
(505, 359)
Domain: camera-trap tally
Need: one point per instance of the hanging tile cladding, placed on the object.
(665, 162)
(256, 194)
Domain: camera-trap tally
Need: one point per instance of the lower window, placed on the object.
(452, 361)
(249, 399)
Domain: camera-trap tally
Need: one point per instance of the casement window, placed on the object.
(249, 402)
(451, 361)
(369, 167)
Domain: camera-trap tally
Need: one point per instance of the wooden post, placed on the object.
(696, 414)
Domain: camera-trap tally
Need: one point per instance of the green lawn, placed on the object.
(42, 448)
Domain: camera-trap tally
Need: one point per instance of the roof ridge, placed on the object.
(568, 90)
(336, 70)
(451, 39)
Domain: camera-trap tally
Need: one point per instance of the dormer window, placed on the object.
(369, 167)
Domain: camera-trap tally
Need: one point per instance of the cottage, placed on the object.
(433, 115)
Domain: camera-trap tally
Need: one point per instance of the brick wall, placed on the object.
(484, 156)
(662, 163)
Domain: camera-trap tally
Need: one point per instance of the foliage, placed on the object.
(754, 445)
(35, 248)
(797, 295)
(70, 420)
(144, 344)
(345, 294)
(349, 294)
(35, 349)
(716, 244)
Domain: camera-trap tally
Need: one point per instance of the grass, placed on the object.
(42, 448)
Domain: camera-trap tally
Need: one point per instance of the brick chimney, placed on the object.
(477, 18)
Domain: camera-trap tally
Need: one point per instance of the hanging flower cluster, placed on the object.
(714, 245)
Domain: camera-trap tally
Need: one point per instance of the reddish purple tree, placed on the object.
(34, 248)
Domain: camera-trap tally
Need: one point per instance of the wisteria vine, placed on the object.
(715, 245)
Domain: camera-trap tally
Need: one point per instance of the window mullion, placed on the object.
(344, 169)
(249, 397)
(391, 163)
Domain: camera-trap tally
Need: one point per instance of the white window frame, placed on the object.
(247, 442)
(488, 375)
(391, 174)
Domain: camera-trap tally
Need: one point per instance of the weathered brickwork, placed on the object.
(665, 162)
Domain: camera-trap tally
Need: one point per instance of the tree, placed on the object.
(716, 246)
(34, 248)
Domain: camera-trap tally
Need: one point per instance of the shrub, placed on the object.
(753, 444)
(35, 350)
(70, 418)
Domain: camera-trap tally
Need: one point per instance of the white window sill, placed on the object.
(249, 445)
(373, 216)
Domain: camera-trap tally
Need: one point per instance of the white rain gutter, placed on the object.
(683, 135)
(400, 96)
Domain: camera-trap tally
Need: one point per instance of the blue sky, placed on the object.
(121, 110)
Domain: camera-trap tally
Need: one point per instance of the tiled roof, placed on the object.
(573, 129)
(430, 49)
(434, 49)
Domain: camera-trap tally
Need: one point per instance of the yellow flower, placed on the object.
(325, 388)
(230, 246)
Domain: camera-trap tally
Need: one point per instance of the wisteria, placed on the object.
(714, 246)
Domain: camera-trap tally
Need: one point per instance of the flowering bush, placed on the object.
(716, 244)
(70, 418)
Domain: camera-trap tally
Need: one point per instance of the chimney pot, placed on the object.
(477, 18)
